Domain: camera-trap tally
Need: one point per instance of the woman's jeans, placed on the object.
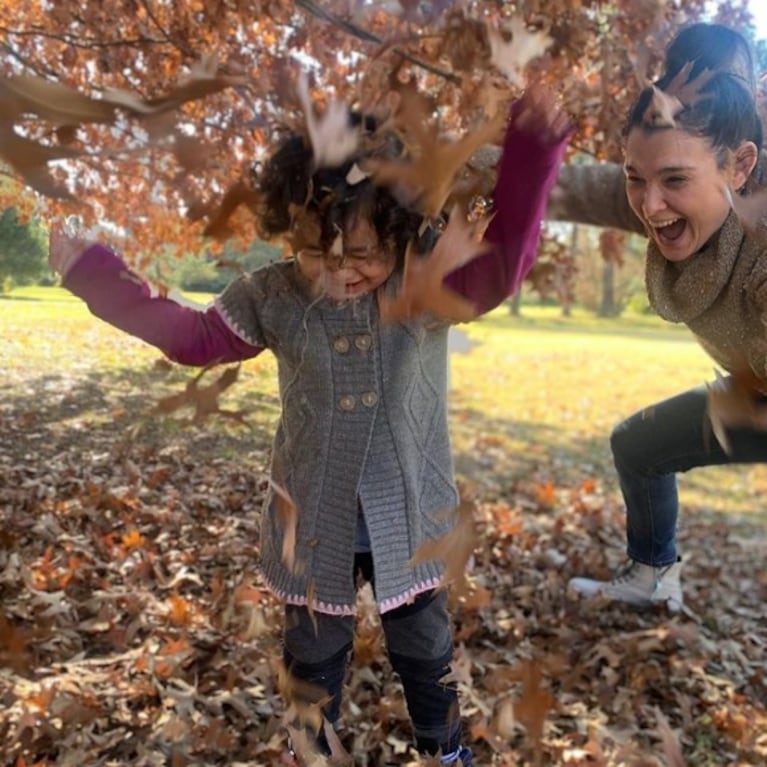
(650, 447)
(419, 644)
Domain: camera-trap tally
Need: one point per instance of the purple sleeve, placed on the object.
(528, 172)
(120, 297)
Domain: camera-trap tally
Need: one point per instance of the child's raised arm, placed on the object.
(120, 297)
(535, 142)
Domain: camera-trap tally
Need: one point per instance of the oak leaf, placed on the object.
(333, 138)
(288, 520)
(534, 703)
(424, 179)
(751, 209)
(422, 291)
(513, 55)
(454, 549)
(204, 399)
(732, 402)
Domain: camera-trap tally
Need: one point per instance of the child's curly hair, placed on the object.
(288, 181)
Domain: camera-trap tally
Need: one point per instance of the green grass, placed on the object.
(534, 399)
(550, 389)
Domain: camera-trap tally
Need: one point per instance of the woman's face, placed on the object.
(355, 264)
(674, 185)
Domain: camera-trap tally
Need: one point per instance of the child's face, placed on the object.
(355, 264)
(675, 186)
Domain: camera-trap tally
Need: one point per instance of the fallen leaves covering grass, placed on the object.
(134, 629)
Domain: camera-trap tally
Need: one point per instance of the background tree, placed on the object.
(180, 99)
(23, 251)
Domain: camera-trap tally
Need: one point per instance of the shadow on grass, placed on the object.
(502, 454)
(114, 410)
(628, 328)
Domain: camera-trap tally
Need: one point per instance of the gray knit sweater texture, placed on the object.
(363, 426)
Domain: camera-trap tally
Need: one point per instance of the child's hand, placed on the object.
(541, 113)
(64, 250)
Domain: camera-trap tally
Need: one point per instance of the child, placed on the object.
(362, 443)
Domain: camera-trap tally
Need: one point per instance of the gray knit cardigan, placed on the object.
(363, 426)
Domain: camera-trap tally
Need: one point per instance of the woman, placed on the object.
(703, 268)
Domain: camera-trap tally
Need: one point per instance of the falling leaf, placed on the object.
(672, 749)
(534, 704)
(751, 209)
(240, 193)
(334, 139)
(424, 179)
(731, 402)
(666, 104)
(662, 110)
(422, 290)
(288, 519)
(454, 549)
(512, 56)
(23, 96)
(504, 720)
(685, 90)
(304, 699)
(29, 159)
(204, 399)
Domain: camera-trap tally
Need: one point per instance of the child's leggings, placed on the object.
(419, 643)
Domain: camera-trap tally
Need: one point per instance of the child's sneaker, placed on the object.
(637, 584)
(462, 759)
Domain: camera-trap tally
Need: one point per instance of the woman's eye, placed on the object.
(633, 180)
(675, 180)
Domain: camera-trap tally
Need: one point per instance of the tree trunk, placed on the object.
(607, 307)
(515, 304)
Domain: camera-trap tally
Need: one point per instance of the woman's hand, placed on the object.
(64, 250)
(541, 113)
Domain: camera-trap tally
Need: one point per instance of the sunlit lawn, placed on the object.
(540, 392)
(556, 386)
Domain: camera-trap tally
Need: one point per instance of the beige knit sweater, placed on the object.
(720, 292)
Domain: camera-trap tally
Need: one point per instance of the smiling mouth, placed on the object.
(669, 231)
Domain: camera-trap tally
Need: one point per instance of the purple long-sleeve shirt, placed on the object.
(528, 171)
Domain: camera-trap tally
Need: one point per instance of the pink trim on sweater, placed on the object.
(329, 609)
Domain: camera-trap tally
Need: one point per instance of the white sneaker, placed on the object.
(637, 584)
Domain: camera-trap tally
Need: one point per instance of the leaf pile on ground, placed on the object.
(134, 629)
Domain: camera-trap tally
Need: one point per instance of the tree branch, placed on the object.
(369, 37)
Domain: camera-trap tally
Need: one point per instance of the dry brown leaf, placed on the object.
(513, 55)
(25, 95)
(204, 399)
(423, 291)
(425, 179)
(29, 159)
(240, 193)
(672, 750)
(288, 520)
(333, 138)
(731, 403)
(303, 699)
(667, 103)
(662, 110)
(751, 209)
(454, 549)
(688, 91)
(534, 703)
